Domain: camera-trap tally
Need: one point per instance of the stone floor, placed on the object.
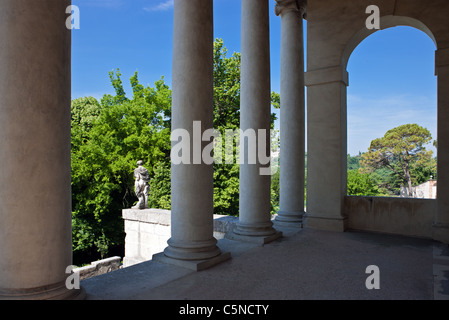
(304, 264)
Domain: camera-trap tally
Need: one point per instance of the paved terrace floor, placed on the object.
(304, 264)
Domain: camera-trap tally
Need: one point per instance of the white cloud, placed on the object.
(162, 6)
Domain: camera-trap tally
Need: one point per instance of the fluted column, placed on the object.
(255, 112)
(192, 111)
(292, 114)
(35, 196)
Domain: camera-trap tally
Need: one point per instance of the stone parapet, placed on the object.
(97, 268)
(147, 232)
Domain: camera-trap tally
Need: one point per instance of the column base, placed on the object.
(325, 223)
(440, 232)
(259, 233)
(195, 265)
(260, 240)
(289, 219)
(258, 229)
(192, 250)
(44, 293)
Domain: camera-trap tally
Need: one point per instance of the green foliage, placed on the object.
(425, 171)
(353, 163)
(107, 140)
(402, 151)
(226, 87)
(226, 116)
(84, 111)
(397, 159)
(160, 187)
(275, 192)
(388, 183)
(361, 184)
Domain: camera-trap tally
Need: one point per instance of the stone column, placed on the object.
(35, 195)
(192, 183)
(326, 147)
(292, 115)
(255, 112)
(441, 225)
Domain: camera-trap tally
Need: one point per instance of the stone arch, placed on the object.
(335, 29)
(436, 229)
(386, 22)
(413, 217)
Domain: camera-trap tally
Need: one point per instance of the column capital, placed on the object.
(284, 6)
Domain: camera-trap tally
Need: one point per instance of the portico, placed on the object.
(35, 78)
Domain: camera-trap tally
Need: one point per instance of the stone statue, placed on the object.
(141, 186)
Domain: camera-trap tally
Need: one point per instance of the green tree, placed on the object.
(353, 162)
(402, 151)
(84, 111)
(361, 184)
(104, 154)
(389, 184)
(160, 186)
(275, 188)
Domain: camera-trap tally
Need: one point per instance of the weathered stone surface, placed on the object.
(410, 217)
(97, 268)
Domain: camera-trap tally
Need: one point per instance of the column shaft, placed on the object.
(255, 218)
(441, 225)
(192, 184)
(292, 115)
(35, 195)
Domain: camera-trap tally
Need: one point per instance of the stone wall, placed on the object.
(403, 216)
(147, 232)
(426, 190)
(97, 268)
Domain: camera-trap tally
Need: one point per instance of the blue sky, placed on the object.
(392, 82)
(391, 73)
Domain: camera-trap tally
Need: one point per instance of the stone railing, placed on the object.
(148, 230)
(98, 268)
(402, 216)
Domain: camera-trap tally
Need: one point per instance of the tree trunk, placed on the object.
(408, 180)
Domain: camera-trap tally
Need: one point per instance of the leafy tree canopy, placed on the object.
(402, 151)
(361, 184)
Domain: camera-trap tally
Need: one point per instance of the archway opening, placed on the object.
(392, 113)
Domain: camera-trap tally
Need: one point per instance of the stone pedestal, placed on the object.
(147, 232)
